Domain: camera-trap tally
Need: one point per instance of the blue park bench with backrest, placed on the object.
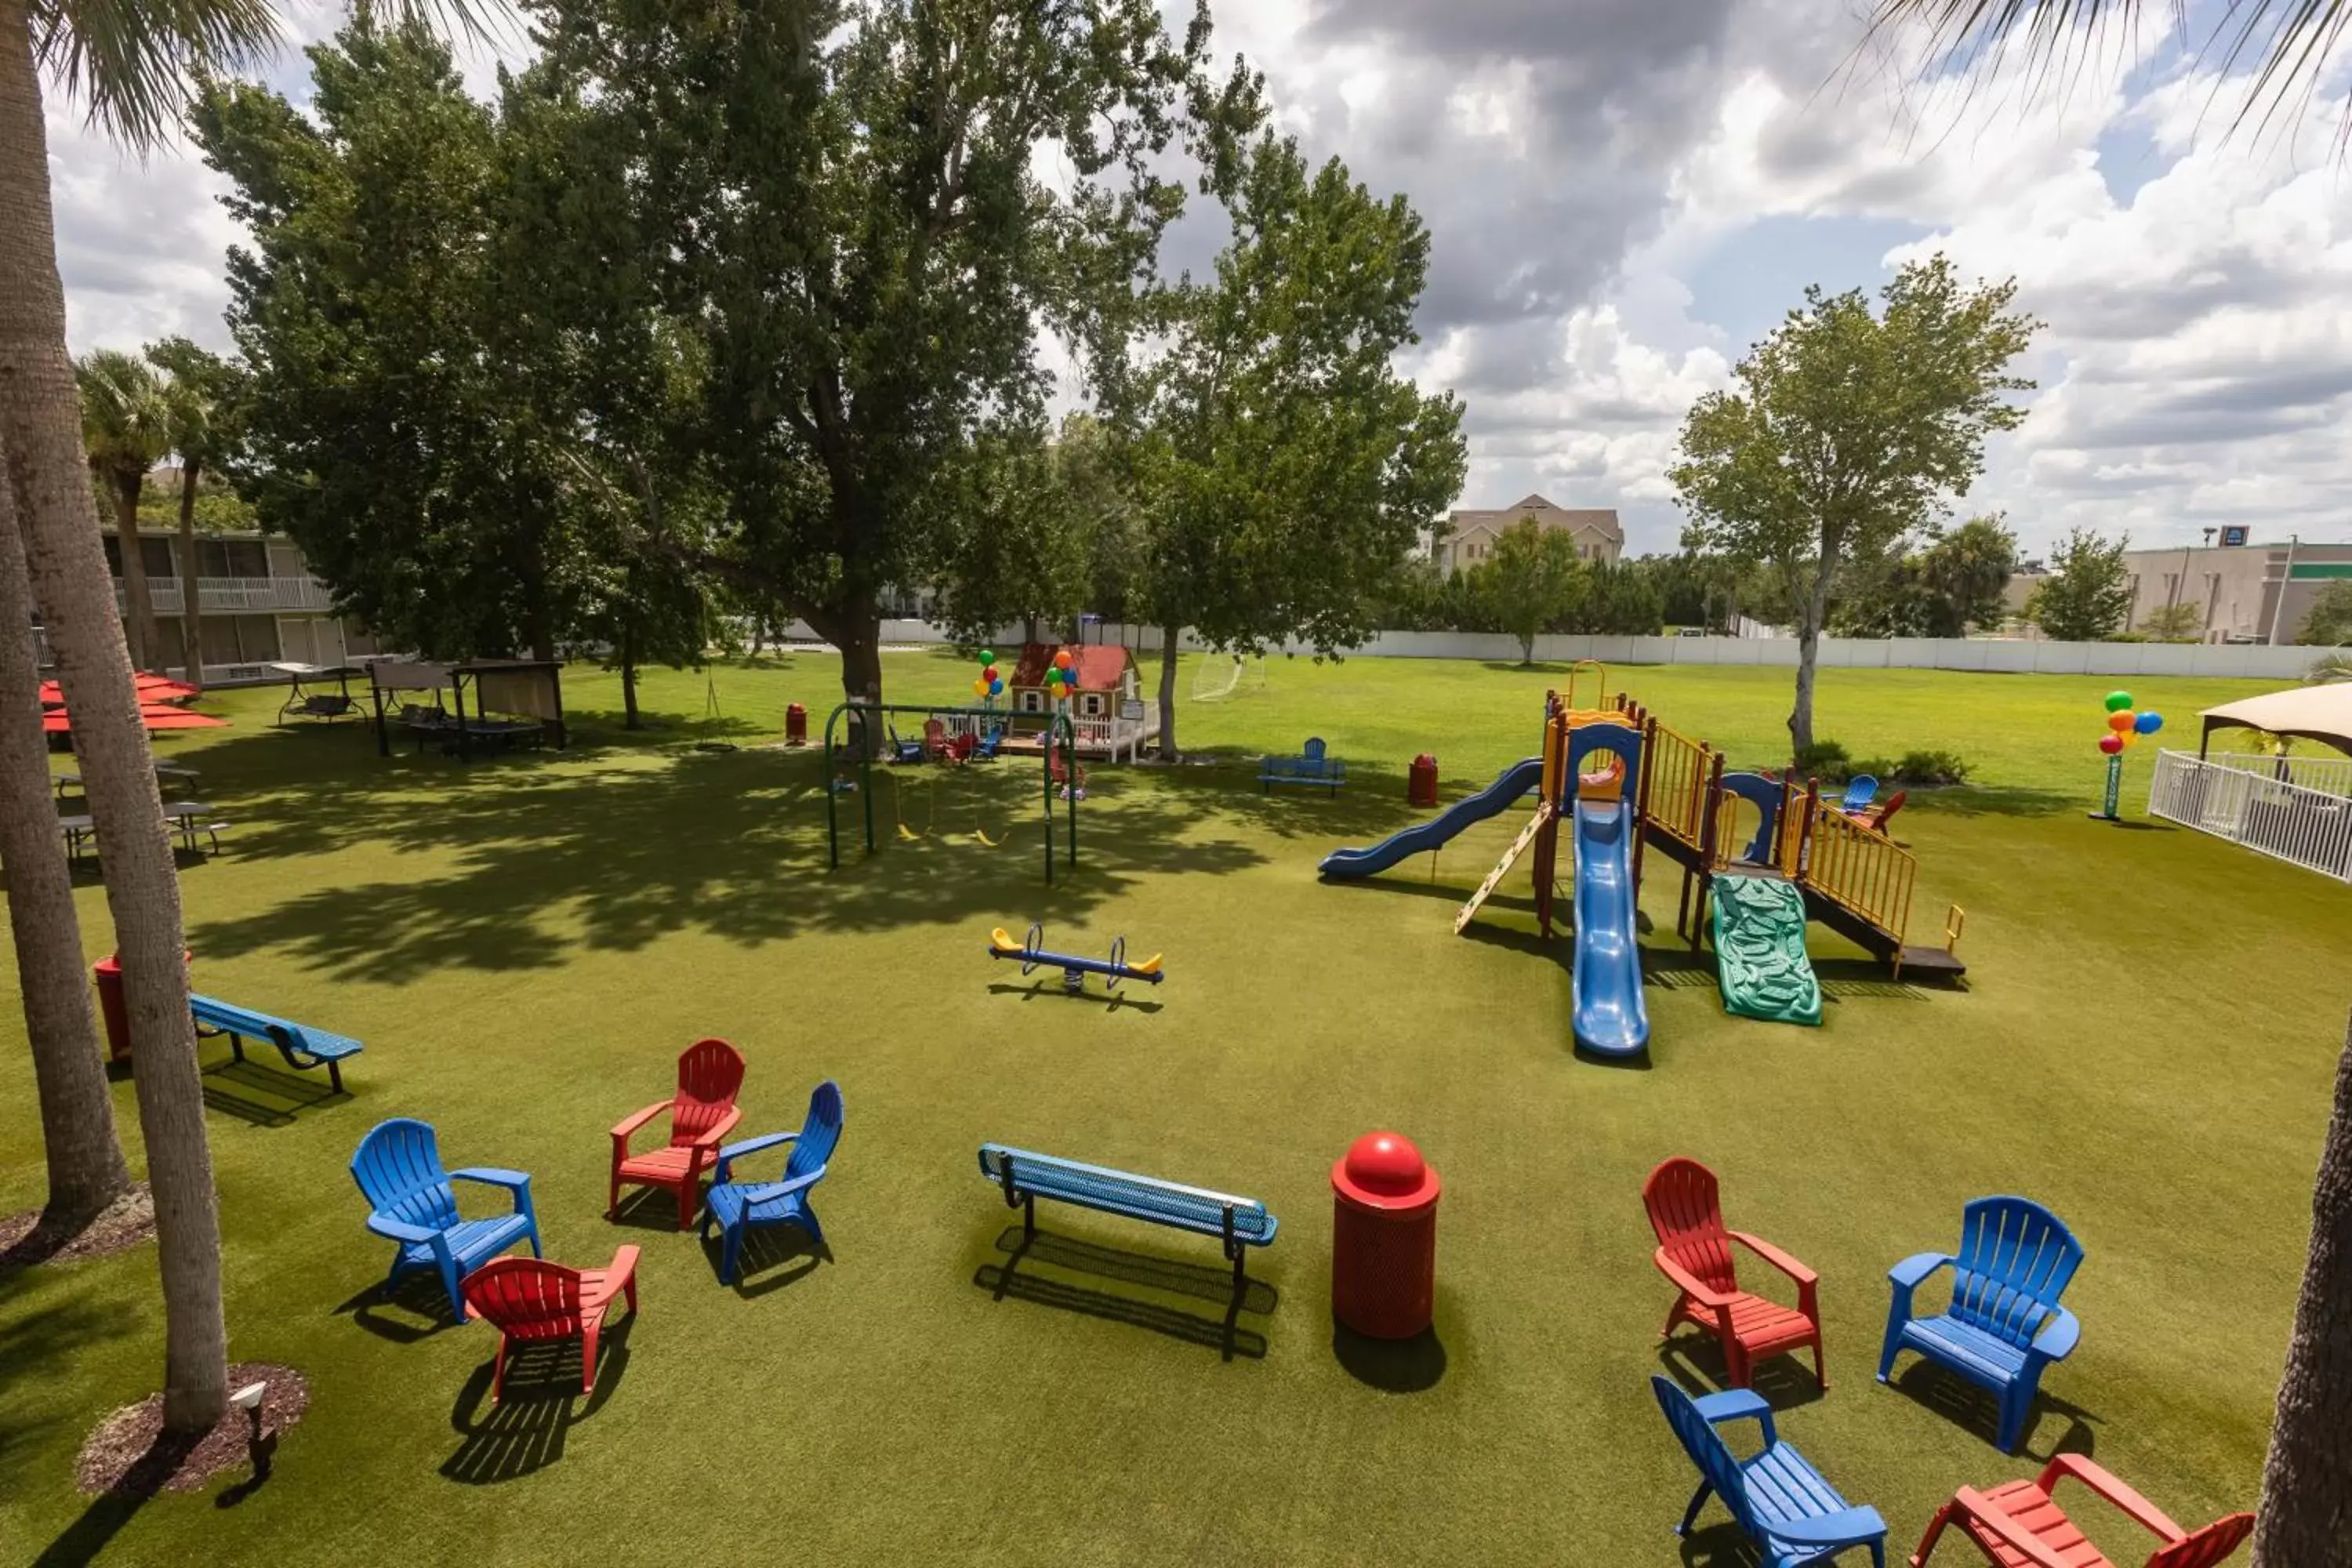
(1024, 1177)
(1311, 767)
(303, 1046)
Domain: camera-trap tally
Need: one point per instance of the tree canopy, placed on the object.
(2088, 593)
(1849, 431)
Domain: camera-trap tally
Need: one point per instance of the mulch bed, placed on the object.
(130, 1456)
(126, 1222)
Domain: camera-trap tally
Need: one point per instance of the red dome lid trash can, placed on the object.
(796, 724)
(107, 972)
(1420, 780)
(1384, 1237)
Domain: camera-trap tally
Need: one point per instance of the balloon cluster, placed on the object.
(992, 680)
(1061, 679)
(2124, 726)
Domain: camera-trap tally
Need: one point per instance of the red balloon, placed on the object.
(989, 673)
(2111, 744)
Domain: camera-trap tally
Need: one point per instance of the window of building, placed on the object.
(1094, 705)
(232, 558)
(156, 554)
(1033, 700)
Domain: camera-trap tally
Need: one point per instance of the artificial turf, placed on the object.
(525, 945)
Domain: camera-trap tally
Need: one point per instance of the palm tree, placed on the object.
(2295, 40)
(130, 64)
(87, 1170)
(2308, 1471)
(126, 430)
(196, 402)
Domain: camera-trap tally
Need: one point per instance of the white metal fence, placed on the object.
(2288, 821)
(2327, 775)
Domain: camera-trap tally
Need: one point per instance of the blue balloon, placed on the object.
(2149, 722)
(996, 687)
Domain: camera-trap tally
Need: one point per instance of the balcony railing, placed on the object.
(238, 596)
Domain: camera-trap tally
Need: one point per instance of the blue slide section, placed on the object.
(1611, 1019)
(1514, 782)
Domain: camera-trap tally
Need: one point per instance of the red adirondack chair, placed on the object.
(2021, 1525)
(1877, 820)
(702, 1113)
(1694, 1253)
(531, 1299)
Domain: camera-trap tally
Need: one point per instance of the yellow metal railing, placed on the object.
(1680, 771)
(1851, 865)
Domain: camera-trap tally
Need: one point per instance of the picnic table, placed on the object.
(166, 773)
(186, 817)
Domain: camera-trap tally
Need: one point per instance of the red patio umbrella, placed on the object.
(155, 715)
(153, 689)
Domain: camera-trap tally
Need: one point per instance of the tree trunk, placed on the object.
(139, 601)
(759, 634)
(1527, 647)
(1815, 610)
(1168, 637)
(86, 1167)
(2304, 1519)
(40, 436)
(192, 644)
(629, 683)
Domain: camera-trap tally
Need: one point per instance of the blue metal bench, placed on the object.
(1311, 767)
(302, 1047)
(1023, 1177)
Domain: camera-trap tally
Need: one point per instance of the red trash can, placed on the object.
(107, 972)
(795, 725)
(1384, 1237)
(1420, 780)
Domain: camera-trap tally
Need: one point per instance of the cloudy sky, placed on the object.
(1625, 194)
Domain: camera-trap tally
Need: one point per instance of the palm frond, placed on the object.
(131, 63)
(2297, 40)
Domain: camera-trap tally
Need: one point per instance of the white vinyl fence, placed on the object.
(2250, 801)
(1998, 655)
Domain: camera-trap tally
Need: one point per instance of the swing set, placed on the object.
(865, 730)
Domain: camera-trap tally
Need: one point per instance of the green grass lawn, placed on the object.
(2146, 1045)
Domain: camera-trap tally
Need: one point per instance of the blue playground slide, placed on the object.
(1609, 1018)
(1512, 782)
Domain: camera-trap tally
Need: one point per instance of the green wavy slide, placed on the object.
(1759, 951)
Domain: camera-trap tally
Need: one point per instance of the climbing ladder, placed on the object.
(1502, 867)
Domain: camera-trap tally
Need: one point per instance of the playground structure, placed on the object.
(855, 746)
(1032, 953)
(1623, 784)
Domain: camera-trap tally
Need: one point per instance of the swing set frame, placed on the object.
(872, 717)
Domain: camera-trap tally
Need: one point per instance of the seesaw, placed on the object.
(1075, 969)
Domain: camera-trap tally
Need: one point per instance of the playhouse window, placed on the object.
(1033, 702)
(1094, 705)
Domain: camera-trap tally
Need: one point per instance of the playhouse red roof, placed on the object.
(1099, 666)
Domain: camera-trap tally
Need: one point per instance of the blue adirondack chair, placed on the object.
(2004, 1324)
(398, 1168)
(1777, 1497)
(736, 1206)
(1860, 791)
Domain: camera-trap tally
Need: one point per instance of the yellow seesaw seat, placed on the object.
(1001, 940)
(1149, 966)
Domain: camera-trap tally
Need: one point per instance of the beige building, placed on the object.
(1470, 535)
(2236, 589)
(256, 604)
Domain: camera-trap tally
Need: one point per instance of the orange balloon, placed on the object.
(2120, 721)
(1062, 660)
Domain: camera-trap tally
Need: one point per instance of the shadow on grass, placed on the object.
(526, 1431)
(254, 1094)
(1393, 1366)
(1024, 1251)
(423, 1308)
(1694, 1358)
(1113, 1002)
(112, 1508)
(631, 848)
(1994, 800)
(1725, 1546)
(1978, 1412)
(767, 1247)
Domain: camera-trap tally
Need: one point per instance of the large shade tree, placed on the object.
(130, 66)
(200, 399)
(126, 428)
(1286, 467)
(2304, 1520)
(843, 201)
(1848, 430)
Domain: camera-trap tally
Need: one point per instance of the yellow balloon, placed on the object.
(980, 689)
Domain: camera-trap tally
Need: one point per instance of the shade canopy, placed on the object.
(2321, 713)
(155, 715)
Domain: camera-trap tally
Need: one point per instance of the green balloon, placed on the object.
(988, 656)
(2118, 701)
